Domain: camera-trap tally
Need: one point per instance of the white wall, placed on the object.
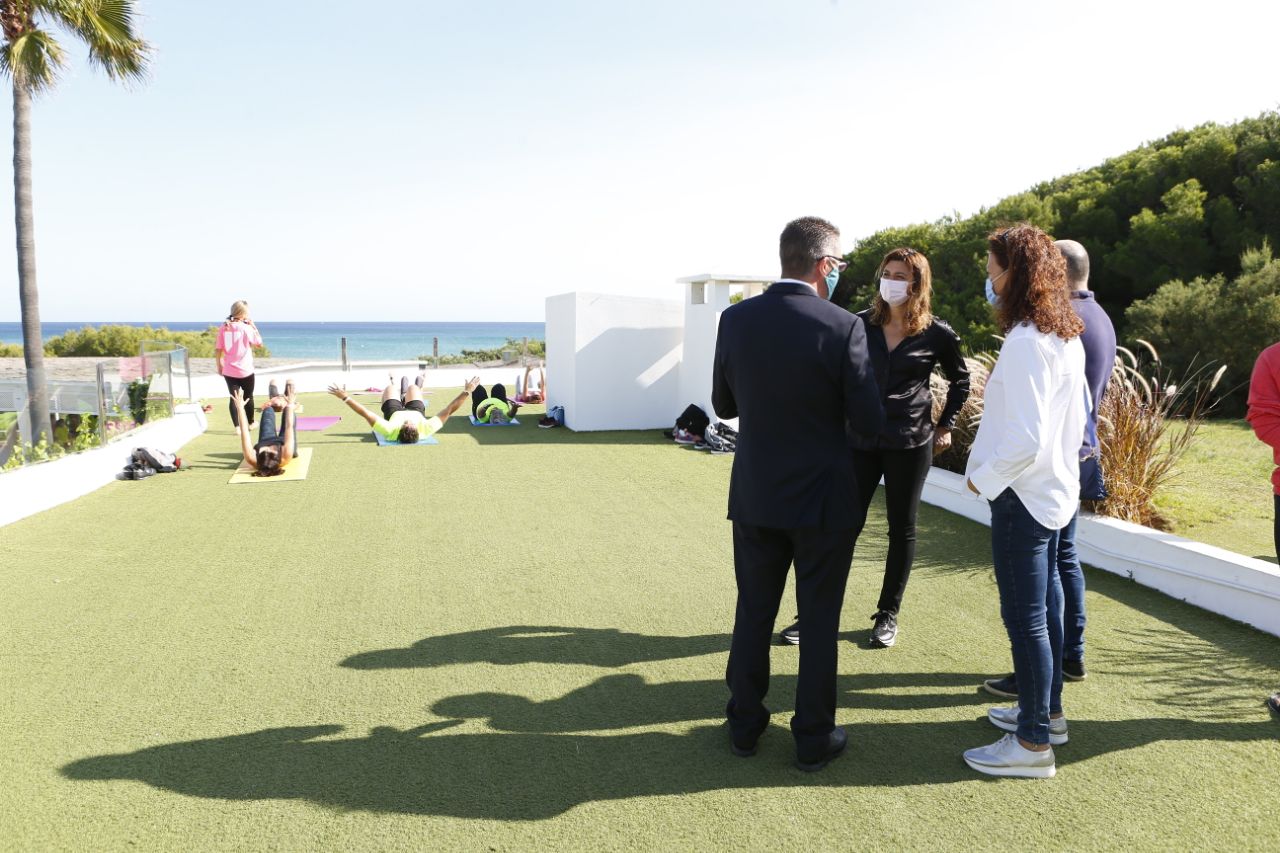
(705, 297)
(34, 488)
(613, 362)
(1220, 581)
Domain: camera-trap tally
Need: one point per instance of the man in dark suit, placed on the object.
(794, 368)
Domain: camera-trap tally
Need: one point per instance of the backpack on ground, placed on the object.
(149, 457)
(693, 420)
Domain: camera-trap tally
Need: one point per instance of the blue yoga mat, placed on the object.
(512, 422)
(383, 441)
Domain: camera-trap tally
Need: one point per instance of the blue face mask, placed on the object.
(992, 296)
(833, 278)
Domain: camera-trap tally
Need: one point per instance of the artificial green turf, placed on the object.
(1222, 493)
(517, 639)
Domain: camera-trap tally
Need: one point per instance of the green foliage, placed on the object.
(537, 349)
(1181, 208)
(106, 27)
(10, 350)
(1218, 319)
(122, 341)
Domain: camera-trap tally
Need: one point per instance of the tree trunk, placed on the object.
(29, 296)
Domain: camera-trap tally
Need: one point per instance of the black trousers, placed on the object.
(904, 472)
(478, 396)
(244, 383)
(761, 558)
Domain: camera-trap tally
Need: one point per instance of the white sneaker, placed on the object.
(1007, 757)
(1006, 719)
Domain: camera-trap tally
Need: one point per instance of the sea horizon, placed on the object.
(321, 339)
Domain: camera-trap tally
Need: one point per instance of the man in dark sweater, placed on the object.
(1099, 341)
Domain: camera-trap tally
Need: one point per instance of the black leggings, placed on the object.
(245, 383)
(478, 396)
(904, 472)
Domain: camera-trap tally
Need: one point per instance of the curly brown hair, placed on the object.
(1036, 289)
(918, 307)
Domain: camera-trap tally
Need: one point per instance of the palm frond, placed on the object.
(107, 27)
(33, 60)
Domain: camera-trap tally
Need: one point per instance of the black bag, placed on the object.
(149, 457)
(693, 420)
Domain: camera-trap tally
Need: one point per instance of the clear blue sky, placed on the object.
(425, 160)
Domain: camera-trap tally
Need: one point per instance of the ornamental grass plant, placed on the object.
(1146, 423)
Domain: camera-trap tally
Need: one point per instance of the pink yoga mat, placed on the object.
(315, 424)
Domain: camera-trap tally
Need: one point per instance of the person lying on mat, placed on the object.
(275, 448)
(404, 418)
(492, 407)
(532, 390)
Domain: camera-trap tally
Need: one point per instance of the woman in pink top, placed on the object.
(1264, 416)
(236, 340)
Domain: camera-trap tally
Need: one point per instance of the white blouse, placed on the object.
(1033, 421)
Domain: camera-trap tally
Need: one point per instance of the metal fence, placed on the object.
(124, 394)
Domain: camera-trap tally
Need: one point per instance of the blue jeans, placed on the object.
(1023, 552)
(1072, 576)
(267, 431)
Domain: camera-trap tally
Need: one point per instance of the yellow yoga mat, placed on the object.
(295, 470)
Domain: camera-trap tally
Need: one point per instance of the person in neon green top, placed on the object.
(404, 416)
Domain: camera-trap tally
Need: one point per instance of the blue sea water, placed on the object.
(365, 341)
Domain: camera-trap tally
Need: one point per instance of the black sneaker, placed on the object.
(1006, 687)
(1073, 670)
(790, 636)
(885, 632)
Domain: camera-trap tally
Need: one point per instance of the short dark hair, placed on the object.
(269, 462)
(804, 242)
(408, 434)
(1077, 261)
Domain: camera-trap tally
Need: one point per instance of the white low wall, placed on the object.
(1218, 580)
(35, 488)
(316, 376)
(613, 362)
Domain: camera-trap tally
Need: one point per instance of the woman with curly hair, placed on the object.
(905, 342)
(1025, 462)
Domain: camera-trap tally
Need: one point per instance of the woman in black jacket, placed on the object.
(906, 342)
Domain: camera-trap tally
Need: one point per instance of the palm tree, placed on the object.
(32, 57)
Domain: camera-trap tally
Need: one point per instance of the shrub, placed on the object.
(10, 350)
(120, 341)
(537, 349)
(1227, 321)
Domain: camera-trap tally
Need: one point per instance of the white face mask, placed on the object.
(894, 292)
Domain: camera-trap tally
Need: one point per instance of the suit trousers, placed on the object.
(762, 557)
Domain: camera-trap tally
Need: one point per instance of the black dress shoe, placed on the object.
(790, 636)
(1073, 670)
(836, 742)
(885, 632)
(744, 747)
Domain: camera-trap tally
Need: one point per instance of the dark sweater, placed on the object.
(1099, 339)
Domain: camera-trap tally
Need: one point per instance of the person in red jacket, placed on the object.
(1264, 415)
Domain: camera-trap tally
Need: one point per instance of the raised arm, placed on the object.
(246, 443)
(341, 393)
(457, 401)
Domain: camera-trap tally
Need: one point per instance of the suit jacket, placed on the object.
(795, 369)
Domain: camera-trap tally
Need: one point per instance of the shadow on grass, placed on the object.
(627, 700)
(517, 644)
(428, 771)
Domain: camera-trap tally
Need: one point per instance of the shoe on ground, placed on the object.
(836, 743)
(744, 747)
(1073, 670)
(1274, 702)
(790, 636)
(1006, 688)
(547, 423)
(1006, 719)
(885, 632)
(683, 436)
(1007, 757)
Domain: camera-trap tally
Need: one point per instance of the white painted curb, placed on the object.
(1218, 580)
(35, 488)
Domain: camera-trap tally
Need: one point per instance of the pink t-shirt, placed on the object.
(236, 341)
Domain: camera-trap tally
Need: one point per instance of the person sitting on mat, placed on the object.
(530, 390)
(492, 407)
(404, 418)
(275, 448)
